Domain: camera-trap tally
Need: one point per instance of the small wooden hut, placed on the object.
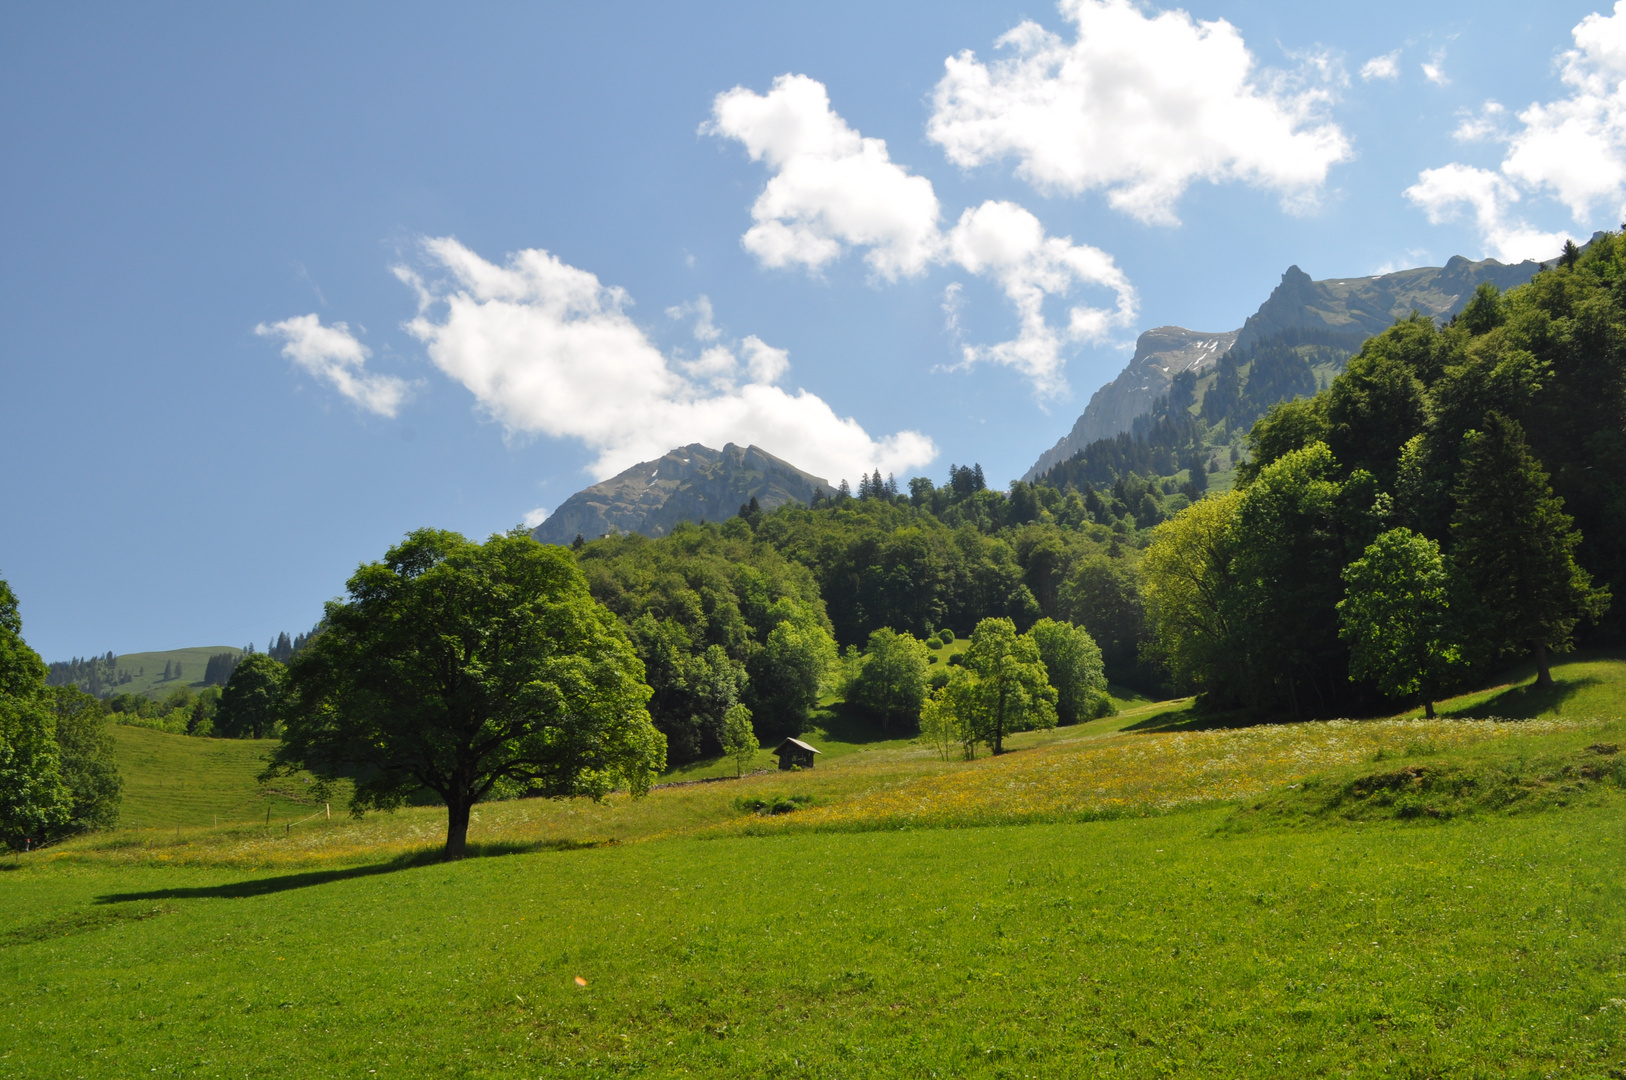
(795, 754)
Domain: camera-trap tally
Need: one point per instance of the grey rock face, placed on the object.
(1160, 355)
(692, 483)
(1357, 308)
(1349, 310)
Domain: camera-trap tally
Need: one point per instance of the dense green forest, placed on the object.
(1496, 442)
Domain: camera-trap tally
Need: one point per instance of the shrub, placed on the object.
(768, 806)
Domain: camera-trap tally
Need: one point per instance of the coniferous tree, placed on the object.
(1513, 549)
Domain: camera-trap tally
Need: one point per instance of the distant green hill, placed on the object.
(144, 671)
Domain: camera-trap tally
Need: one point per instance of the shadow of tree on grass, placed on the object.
(238, 890)
(1524, 702)
(1203, 720)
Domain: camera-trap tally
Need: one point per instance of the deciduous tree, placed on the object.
(739, 738)
(456, 667)
(890, 681)
(1072, 662)
(85, 754)
(1394, 616)
(33, 799)
(251, 706)
(1009, 690)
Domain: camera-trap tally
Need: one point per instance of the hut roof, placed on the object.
(796, 744)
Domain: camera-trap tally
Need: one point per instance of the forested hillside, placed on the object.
(1440, 441)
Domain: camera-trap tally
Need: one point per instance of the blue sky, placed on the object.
(276, 292)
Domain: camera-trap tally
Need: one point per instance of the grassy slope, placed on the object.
(1226, 940)
(1145, 948)
(151, 681)
(172, 780)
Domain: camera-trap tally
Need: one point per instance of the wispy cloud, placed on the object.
(1386, 66)
(333, 355)
(1434, 68)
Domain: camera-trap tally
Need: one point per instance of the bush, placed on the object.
(946, 637)
(773, 804)
(934, 643)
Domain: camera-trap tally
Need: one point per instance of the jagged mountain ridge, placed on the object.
(1340, 311)
(1160, 355)
(690, 483)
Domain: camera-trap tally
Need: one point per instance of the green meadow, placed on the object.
(173, 780)
(146, 669)
(1154, 894)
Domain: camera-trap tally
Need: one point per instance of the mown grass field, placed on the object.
(1133, 897)
(172, 780)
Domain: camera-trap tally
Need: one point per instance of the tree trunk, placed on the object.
(999, 725)
(457, 828)
(1544, 677)
(1428, 709)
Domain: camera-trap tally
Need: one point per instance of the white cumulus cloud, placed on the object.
(1572, 149)
(333, 355)
(533, 518)
(1575, 148)
(547, 348)
(1140, 106)
(1007, 243)
(1444, 192)
(832, 188)
(811, 212)
(1386, 66)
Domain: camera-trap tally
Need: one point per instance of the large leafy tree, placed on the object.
(1394, 616)
(1514, 548)
(461, 668)
(34, 802)
(891, 679)
(251, 706)
(1072, 662)
(1187, 574)
(792, 668)
(1009, 689)
(1298, 524)
(85, 756)
(1103, 595)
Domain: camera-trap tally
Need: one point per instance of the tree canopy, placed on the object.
(1519, 583)
(251, 705)
(1395, 617)
(468, 670)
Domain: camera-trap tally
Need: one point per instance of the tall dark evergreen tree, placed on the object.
(1513, 547)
